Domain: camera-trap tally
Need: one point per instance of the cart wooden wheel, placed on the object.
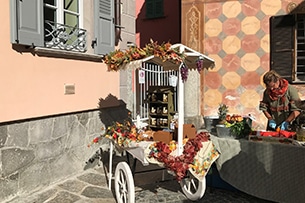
(124, 184)
(192, 188)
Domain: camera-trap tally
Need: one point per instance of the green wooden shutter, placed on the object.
(154, 8)
(104, 26)
(149, 9)
(159, 8)
(282, 45)
(27, 22)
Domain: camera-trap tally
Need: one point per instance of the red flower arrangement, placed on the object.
(178, 164)
(121, 133)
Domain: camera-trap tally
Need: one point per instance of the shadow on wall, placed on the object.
(162, 29)
(111, 110)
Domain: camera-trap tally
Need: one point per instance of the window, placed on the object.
(62, 25)
(287, 46)
(154, 8)
(300, 48)
(58, 24)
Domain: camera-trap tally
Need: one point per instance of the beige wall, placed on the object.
(33, 86)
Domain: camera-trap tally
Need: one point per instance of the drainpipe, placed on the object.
(117, 21)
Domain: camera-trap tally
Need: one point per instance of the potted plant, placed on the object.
(239, 126)
(222, 113)
(221, 128)
(233, 126)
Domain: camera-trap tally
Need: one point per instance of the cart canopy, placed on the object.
(191, 57)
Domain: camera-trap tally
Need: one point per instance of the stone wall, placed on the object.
(37, 153)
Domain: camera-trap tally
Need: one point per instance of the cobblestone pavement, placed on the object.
(91, 187)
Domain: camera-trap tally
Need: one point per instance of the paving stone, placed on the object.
(91, 187)
(97, 192)
(93, 178)
(64, 197)
(42, 197)
(73, 185)
(99, 200)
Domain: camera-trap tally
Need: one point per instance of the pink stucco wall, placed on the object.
(33, 86)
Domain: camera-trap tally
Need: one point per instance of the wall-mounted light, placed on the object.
(131, 44)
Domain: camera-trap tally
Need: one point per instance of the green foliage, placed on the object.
(222, 111)
(239, 129)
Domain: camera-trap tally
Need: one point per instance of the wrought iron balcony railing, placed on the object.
(65, 37)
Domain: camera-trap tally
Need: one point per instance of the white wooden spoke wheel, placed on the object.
(192, 188)
(124, 184)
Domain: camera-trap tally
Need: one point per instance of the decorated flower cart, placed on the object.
(188, 159)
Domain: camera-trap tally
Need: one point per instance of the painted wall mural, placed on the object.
(236, 35)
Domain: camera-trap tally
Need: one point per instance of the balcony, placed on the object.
(64, 37)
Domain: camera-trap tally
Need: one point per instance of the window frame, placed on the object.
(63, 27)
(59, 6)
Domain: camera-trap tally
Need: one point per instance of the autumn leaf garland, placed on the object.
(178, 164)
(116, 59)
